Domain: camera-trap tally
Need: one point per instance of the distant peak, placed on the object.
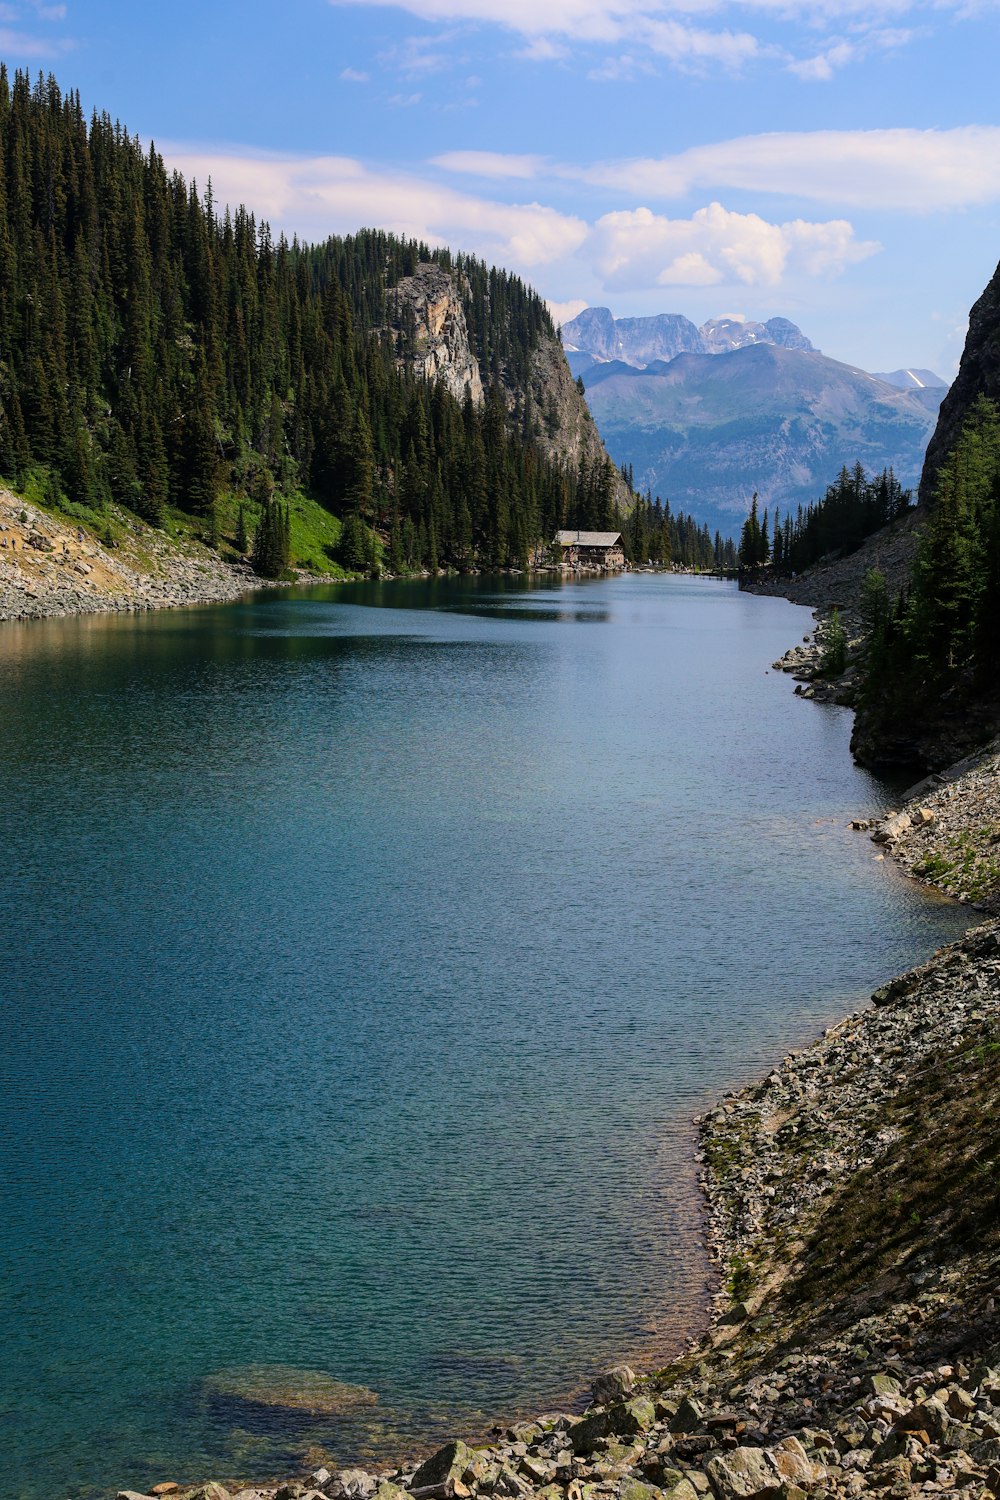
(663, 336)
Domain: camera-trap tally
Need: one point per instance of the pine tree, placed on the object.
(272, 542)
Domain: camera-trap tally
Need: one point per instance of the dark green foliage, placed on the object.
(852, 508)
(155, 353)
(754, 549)
(942, 635)
(653, 534)
(242, 539)
(273, 540)
(834, 657)
(355, 544)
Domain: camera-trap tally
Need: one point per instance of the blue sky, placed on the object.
(833, 161)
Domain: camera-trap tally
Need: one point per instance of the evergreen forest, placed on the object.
(653, 534)
(854, 506)
(938, 640)
(170, 358)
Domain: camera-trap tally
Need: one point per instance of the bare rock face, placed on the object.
(978, 375)
(560, 418)
(427, 321)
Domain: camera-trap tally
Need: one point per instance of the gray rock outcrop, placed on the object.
(428, 323)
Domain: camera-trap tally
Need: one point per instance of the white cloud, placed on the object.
(637, 248)
(911, 170)
(564, 312)
(318, 196)
(619, 69)
(494, 164)
(692, 47)
(18, 45)
(352, 75)
(663, 27)
(652, 24)
(543, 49)
(821, 67)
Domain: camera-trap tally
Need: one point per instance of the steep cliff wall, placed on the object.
(428, 324)
(978, 375)
(564, 427)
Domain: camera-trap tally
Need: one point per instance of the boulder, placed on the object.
(689, 1416)
(613, 1384)
(744, 1474)
(677, 1486)
(355, 1484)
(630, 1417)
(793, 1462)
(588, 1432)
(959, 1404)
(444, 1469)
(881, 1385)
(927, 1416)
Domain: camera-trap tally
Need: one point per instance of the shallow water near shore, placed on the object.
(368, 951)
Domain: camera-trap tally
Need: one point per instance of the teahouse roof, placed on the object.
(588, 538)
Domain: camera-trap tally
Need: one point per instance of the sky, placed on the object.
(836, 162)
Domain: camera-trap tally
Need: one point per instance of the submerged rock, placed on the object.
(283, 1388)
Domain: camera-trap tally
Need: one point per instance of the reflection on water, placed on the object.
(369, 951)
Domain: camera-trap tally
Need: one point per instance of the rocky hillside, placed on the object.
(947, 833)
(426, 316)
(51, 567)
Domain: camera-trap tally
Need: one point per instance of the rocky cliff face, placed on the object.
(978, 375)
(431, 333)
(427, 321)
(563, 426)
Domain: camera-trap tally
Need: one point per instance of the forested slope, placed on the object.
(157, 353)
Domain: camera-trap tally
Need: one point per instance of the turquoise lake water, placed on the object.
(366, 955)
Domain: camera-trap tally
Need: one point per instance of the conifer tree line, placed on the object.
(652, 533)
(942, 633)
(854, 507)
(154, 352)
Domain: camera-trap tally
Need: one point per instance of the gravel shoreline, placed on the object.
(50, 569)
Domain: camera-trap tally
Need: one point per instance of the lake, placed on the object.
(368, 951)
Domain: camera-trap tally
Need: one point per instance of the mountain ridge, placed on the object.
(706, 417)
(597, 334)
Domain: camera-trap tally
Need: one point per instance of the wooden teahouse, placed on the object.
(601, 550)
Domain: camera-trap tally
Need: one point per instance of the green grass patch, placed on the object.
(315, 532)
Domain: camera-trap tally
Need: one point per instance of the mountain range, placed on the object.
(707, 416)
